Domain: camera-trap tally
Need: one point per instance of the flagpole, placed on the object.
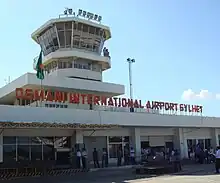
(40, 73)
(41, 87)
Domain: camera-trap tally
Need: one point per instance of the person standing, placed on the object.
(119, 157)
(132, 155)
(78, 158)
(96, 158)
(84, 158)
(126, 155)
(104, 158)
(189, 153)
(217, 161)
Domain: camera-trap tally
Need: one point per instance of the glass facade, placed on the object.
(72, 35)
(70, 63)
(33, 148)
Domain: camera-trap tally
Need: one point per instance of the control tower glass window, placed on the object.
(48, 41)
(68, 34)
(61, 35)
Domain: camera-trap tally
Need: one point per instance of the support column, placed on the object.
(214, 136)
(136, 142)
(181, 143)
(77, 139)
(1, 147)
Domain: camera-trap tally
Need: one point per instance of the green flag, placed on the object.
(40, 67)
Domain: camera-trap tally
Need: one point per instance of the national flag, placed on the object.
(40, 67)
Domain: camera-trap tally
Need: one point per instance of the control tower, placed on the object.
(73, 48)
(74, 41)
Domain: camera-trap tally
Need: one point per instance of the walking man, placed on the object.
(217, 161)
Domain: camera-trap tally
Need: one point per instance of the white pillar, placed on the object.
(182, 143)
(136, 142)
(1, 147)
(79, 137)
(214, 136)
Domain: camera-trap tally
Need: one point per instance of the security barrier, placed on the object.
(14, 173)
(65, 172)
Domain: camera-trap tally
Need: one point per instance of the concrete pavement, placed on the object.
(190, 174)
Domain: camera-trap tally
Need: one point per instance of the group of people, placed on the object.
(128, 155)
(201, 155)
(125, 157)
(167, 153)
(82, 158)
(208, 155)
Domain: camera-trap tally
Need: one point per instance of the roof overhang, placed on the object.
(31, 125)
(29, 80)
(105, 62)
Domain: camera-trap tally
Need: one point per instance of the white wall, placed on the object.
(41, 114)
(197, 133)
(108, 132)
(156, 131)
(81, 73)
(61, 83)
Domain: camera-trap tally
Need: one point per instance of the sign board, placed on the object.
(80, 98)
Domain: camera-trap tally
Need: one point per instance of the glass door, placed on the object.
(113, 149)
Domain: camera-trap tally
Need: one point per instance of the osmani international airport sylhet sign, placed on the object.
(80, 98)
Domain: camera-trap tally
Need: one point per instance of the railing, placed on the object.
(118, 109)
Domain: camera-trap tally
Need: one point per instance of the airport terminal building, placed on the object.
(73, 107)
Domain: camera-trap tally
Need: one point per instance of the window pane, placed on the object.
(58, 143)
(9, 140)
(36, 141)
(92, 30)
(60, 26)
(9, 153)
(207, 143)
(48, 141)
(126, 139)
(55, 42)
(76, 40)
(48, 148)
(23, 152)
(67, 142)
(61, 39)
(68, 25)
(36, 152)
(115, 139)
(85, 28)
(68, 38)
(23, 140)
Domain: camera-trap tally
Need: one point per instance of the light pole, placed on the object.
(130, 62)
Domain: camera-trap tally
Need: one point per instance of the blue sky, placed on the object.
(175, 43)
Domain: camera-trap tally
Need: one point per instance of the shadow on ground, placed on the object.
(119, 176)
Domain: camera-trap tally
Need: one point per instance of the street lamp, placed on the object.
(130, 61)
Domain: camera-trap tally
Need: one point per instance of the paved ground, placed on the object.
(191, 174)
